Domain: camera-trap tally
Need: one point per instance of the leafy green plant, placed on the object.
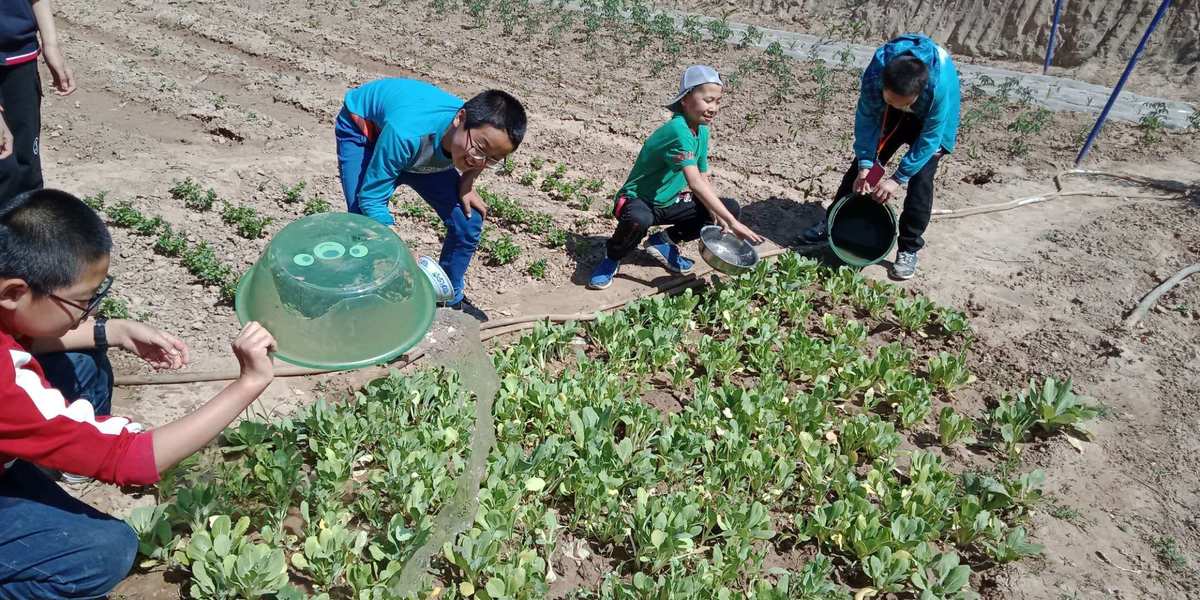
(888, 570)
(943, 578)
(954, 428)
(114, 308)
(537, 269)
(149, 226)
(719, 31)
(195, 504)
(527, 178)
(329, 549)
(752, 36)
(662, 529)
(953, 321)
(316, 205)
(949, 371)
(170, 243)
(822, 76)
(248, 222)
(123, 214)
(1011, 422)
(1057, 407)
(870, 299)
(1153, 123)
(155, 540)
(202, 262)
(96, 201)
(1013, 546)
(983, 113)
(508, 167)
(193, 196)
(225, 564)
(501, 251)
(421, 212)
(557, 238)
(1045, 408)
(913, 409)
(538, 223)
(869, 434)
(913, 313)
(1027, 126)
(295, 193)
(1166, 549)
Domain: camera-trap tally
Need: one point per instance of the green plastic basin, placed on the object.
(862, 231)
(338, 291)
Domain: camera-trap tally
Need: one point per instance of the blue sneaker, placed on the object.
(660, 245)
(603, 275)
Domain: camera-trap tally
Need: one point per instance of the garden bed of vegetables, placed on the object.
(792, 433)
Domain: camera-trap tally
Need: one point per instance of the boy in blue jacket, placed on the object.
(403, 131)
(909, 95)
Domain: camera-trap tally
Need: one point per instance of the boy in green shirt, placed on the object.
(669, 184)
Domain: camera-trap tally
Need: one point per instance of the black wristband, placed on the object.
(100, 333)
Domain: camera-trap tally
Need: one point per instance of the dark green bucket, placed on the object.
(862, 231)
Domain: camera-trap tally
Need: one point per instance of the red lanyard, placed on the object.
(884, 140)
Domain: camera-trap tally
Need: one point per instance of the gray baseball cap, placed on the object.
(695, 75)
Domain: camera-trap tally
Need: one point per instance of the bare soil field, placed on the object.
(1095, 39)
(241, 97)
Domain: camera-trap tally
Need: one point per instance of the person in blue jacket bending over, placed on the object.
(403, 131)
(909, 95)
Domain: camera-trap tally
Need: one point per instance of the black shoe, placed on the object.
(465, 306)
(814, 235)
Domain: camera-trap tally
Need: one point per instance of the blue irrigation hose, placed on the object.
(1053, 34)
(1112, 99)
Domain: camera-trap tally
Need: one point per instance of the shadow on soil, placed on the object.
(589, 250)
(778, 219)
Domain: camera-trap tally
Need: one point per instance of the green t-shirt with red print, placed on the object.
(657, 175)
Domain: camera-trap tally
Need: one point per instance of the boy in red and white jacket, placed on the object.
(54, 259)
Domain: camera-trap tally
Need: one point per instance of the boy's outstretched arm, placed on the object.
(64, 79)
(41, 426)
(157, 347)
(702, 190)
(182, 437)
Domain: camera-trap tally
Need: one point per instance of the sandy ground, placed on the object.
(241, 99)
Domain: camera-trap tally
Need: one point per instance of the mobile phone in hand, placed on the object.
(874, 175)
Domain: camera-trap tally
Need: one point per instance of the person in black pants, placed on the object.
(909, 95)
(918, 202)
(22, 23)
(669, 184)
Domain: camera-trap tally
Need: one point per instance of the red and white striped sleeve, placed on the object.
(39, 425)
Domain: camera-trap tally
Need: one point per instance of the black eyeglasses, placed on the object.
(476, 153)
(90, 307)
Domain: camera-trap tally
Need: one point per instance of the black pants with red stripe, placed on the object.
(635, 217)
(21, 97)
(918, 202)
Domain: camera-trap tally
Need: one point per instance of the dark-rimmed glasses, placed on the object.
(476, 153)
(92, 304)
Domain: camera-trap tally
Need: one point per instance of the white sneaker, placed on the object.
(905, 266)
(75, 480)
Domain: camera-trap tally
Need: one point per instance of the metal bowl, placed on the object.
(726, 252)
